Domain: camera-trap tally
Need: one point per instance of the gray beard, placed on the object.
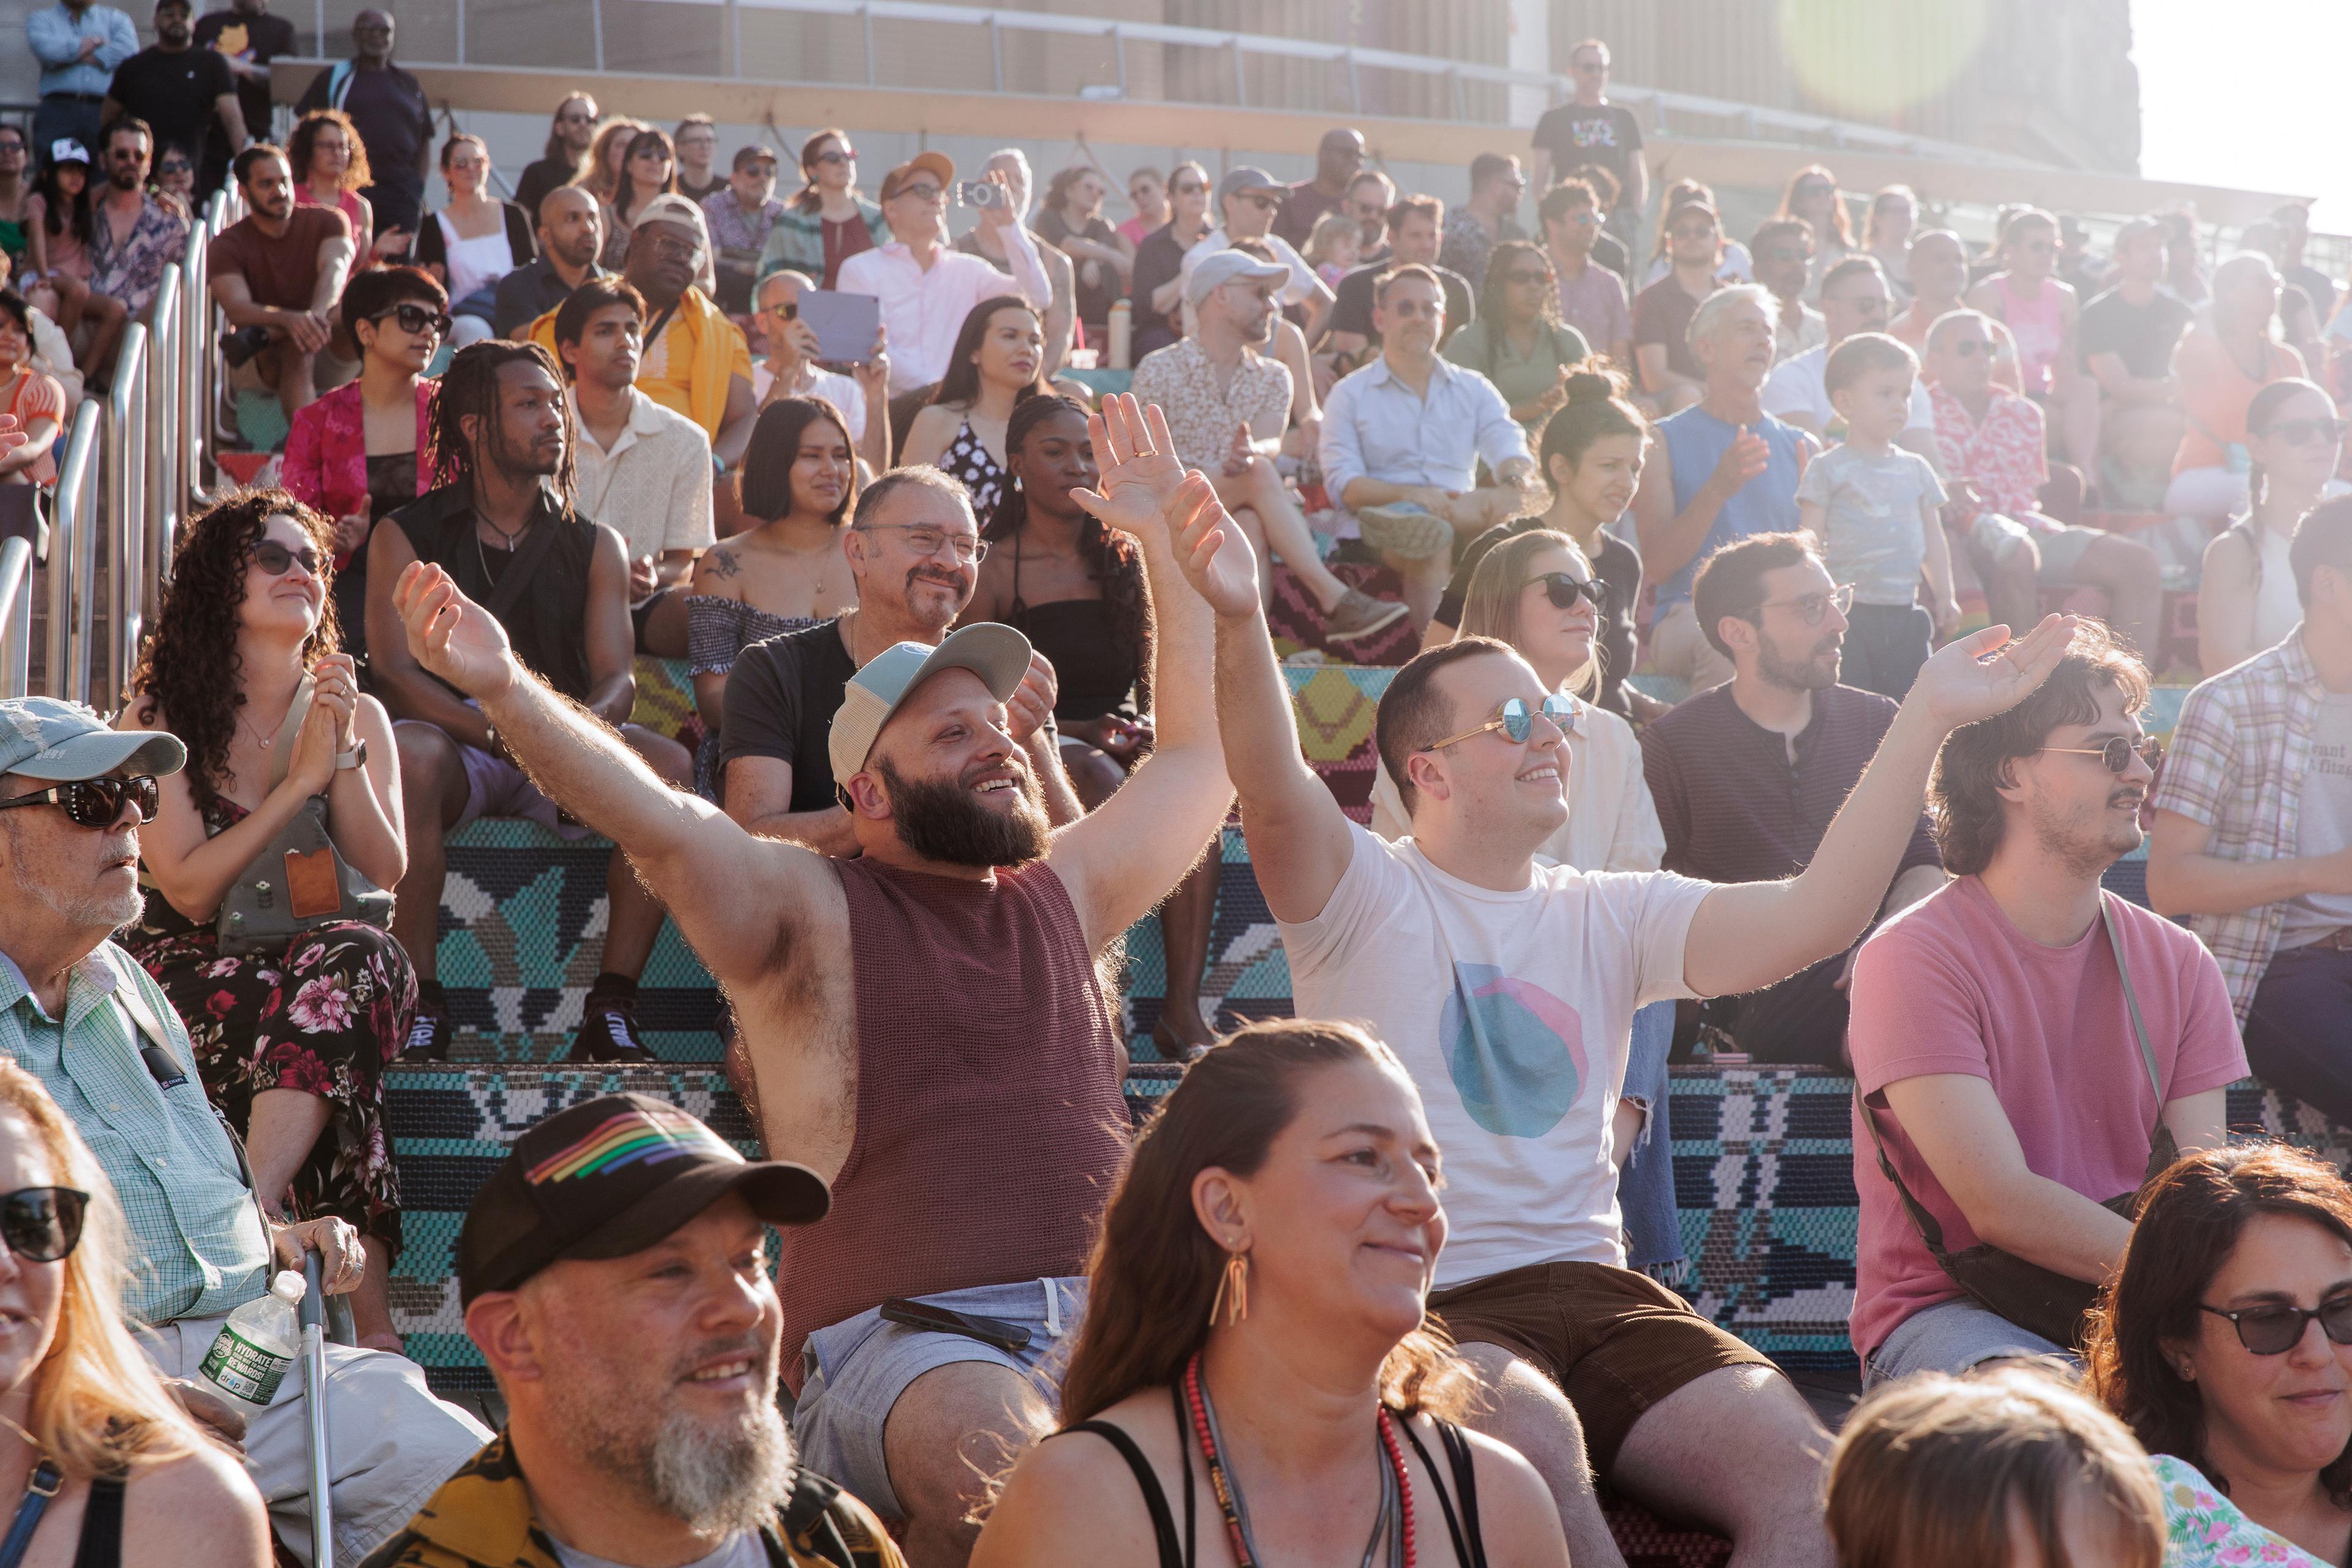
(717, 1480)
(90, 911)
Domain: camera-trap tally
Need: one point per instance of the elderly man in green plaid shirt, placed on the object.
(79, 1014)
(2253, 838)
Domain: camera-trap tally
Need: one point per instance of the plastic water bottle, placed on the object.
(259, 1342)
(1119, 330)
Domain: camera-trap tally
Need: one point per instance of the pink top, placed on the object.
(346, 202)
(325, 465)
(1137, 229)
(2038, 322)
(1951, 986)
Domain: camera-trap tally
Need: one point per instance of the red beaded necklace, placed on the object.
(1229, 1497)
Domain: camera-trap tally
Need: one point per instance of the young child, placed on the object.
(1873, 505)
(2004, 1469)
(1333, 247)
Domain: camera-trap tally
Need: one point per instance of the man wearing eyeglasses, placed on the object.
(2252, 831)
(927, 287)
(1247, 199)
(568, 136)
(132, 235)
(78, 1013)
(1592, 297)
(1773, 612)
(1485, 220)
(789, 369)
(2028, 1049)
(1589, 128)
(1507, 989)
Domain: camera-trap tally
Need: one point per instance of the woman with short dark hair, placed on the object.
(2225, 1343)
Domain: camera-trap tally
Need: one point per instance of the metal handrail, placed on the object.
(73, 559)
(167, 485)
(124, 471)
(15, 615)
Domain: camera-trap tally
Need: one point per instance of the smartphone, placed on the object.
(1004, 1336)
(845, 324)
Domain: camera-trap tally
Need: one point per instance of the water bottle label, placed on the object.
(243, 1368)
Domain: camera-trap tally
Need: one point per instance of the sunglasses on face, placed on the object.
(1814, 608)
(923, 193)
(789, 310)
(1563, 591)
(2303, 432)
(96, 803)
(840, 155)
(43, 1224)
(1691, 231)
(1785, 256)
(1529, 274)
(1517, 720)
(416, 320)
(2117, 752)
(2274, 1330)
(275, 560)
(1969, 348)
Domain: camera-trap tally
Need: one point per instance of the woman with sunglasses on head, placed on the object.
(2225, 1343)
(830, 220)
(475, 240)
(290, 1044)
(2246, 600)
(997, 365)
(1518, 340)
(132, 1482)
(355, 453)
(1257, 1379)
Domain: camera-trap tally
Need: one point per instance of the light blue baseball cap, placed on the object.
(43, 738)
(995, 653)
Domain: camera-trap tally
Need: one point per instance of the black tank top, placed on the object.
(1094, 668)
(102, 1526)
(1462, 1523)
(547, 625)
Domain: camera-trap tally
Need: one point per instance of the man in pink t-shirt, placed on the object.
(1990, 1035)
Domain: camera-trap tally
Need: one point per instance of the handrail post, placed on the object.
(72, 559)
(15, 615)
(124, 505)
(166, 495)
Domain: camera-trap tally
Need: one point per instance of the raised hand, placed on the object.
(1141, 472)
(312, 768)
(339, 688)
(1031, 703)
(1746, 457)
(1987, 673)
(451, 636)
(1210, 550)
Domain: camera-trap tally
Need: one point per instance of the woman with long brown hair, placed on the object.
(648, 169)
(998, 364)
(830, 220)
(130, 1479)
(602, 179)
(2225, 1343)
(1812, 197)
(290, 1042)
(1257, 1379)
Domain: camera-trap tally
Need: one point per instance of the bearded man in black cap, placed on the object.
(614, 1271)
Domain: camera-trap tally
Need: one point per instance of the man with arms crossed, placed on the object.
(1996, 1024)
(963, 906)
(1508, 991)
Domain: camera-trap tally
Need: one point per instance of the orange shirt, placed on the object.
(2217, 391)
(37, 396)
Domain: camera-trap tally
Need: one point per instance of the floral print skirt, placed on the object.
(322, 1018)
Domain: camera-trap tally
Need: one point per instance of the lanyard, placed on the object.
(46, 1480)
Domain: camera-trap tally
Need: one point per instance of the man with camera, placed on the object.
(926, 289)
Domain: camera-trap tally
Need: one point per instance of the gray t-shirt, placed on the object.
(1875, 522)
(2324, 823)
(741, 1551)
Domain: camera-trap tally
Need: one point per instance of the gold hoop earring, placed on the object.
(1232, 1287)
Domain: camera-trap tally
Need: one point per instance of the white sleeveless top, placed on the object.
(2277, 610)
(474, 262)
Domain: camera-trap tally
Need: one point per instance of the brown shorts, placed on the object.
(1616, 1342)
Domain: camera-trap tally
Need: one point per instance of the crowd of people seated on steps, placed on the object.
(985, 636)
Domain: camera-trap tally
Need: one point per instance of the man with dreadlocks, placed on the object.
(501, 521)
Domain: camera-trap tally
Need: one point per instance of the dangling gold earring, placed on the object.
(1233, 1286)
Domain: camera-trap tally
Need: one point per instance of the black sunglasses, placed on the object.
(1969, 348)
(275, 560)
(2274, 1330)
(43, 1224)
(96, 803)
(417, 320)
(2118, 751)
(2298, 432)
(1563, 591)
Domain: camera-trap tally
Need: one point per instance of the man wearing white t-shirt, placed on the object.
(1854, 299)
(1508, 991)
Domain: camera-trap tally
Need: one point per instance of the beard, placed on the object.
(2086, 844)
(719, 1476)
(87, 909)
(941, 820)
(1806, 674)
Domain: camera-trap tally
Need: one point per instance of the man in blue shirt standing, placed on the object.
(78, 45)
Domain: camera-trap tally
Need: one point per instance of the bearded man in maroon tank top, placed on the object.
(924, 1023)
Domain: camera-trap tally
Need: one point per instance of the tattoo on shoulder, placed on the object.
(723, 564)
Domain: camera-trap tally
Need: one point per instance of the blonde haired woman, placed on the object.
(83, 1416)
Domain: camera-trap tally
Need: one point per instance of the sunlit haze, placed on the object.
(2244, 95)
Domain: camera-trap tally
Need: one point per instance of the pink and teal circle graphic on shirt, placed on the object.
(1516, 1052)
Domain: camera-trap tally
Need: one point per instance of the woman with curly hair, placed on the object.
(291, 1045)
(2225, 1343)
(331, 168)
(1518, 340)
(1258, 1345)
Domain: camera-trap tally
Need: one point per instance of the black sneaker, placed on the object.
(609, 1034)
(428, 1037)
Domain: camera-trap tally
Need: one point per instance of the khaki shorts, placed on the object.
(1616, 1342)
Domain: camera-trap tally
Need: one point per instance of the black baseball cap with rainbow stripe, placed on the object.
(610, 1176)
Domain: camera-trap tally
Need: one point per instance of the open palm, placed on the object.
(1210, 550)
(1986, 674)
(451, 636)
(1141, 472)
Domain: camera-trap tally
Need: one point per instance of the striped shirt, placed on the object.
(197, 1247)
(2237, 765)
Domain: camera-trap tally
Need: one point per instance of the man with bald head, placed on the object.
(1338, 160)
(394, 121)
(963, 937)
(571, 234)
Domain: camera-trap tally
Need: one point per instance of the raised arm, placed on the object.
(1121, 861)
(681, 846)
(1749, 935)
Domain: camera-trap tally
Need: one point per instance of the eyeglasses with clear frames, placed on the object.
(925, 540)
(1814, 608)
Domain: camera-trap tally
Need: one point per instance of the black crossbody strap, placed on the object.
(156, 1052)
(1464, 1549)
(519, 569)
(1163, 1524)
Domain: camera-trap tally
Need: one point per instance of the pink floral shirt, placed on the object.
(2002, 457)
(2203, 1528)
